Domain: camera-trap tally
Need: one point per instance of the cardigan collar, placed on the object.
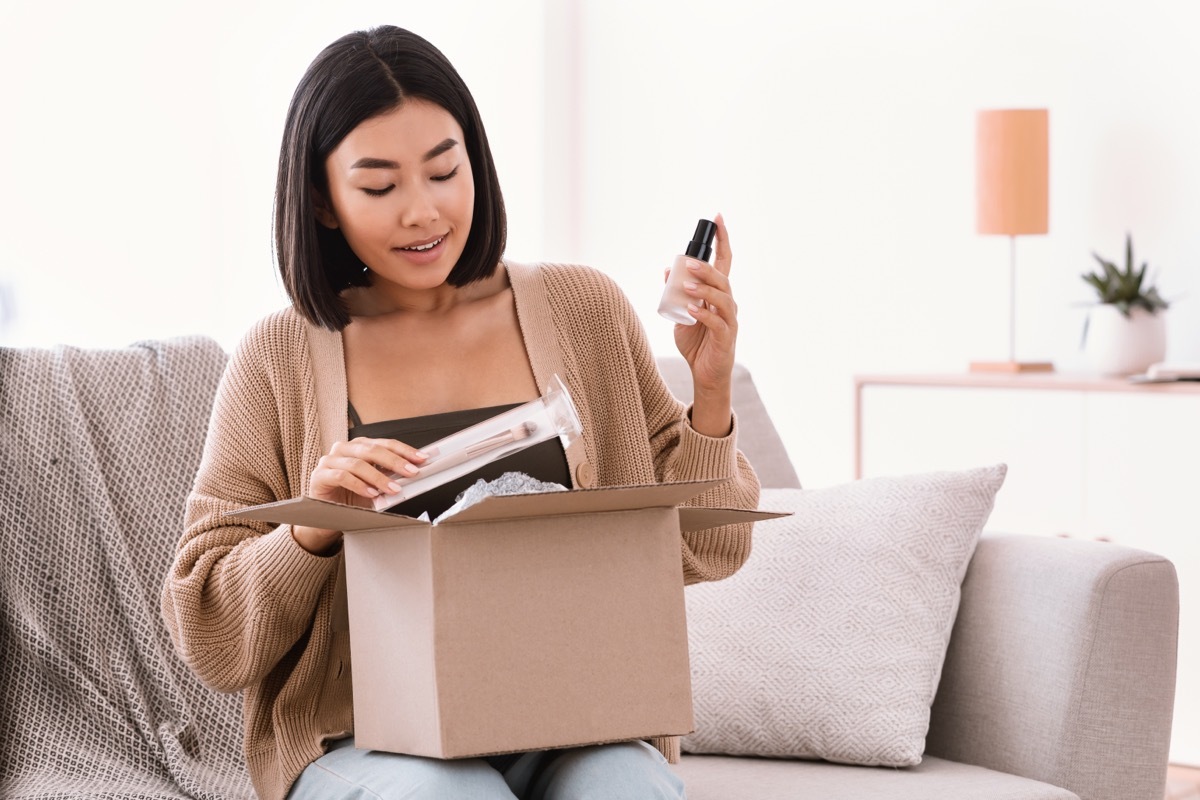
(536, 319)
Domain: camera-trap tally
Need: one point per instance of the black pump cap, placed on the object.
(701, 244)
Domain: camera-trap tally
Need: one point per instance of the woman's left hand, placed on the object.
(709, 345)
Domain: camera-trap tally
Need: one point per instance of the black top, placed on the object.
(545, 461)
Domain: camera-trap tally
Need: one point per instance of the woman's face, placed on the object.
(402, 192)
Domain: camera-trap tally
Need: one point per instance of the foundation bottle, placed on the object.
(675, 300)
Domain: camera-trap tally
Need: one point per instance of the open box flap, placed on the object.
(323, 514)
(336, 516)
(581, 501)
(693, 518)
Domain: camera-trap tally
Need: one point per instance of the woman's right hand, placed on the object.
(361, 467)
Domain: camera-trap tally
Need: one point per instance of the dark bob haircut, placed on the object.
(360, 76)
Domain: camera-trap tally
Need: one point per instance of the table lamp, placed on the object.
(1012, 172)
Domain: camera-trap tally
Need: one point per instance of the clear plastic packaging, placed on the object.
(552, 414)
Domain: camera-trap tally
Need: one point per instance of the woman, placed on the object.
(405, 323)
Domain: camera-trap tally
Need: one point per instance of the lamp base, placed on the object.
(1011, 366)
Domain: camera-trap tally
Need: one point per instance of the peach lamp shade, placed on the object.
(1012, 171)
(1012, 198)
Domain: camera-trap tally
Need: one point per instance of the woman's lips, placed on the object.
(432, 249)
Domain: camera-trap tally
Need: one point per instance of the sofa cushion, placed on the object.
(728, 778)
(829, 642)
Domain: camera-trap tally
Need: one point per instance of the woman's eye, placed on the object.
(379, 192)
(447, 176)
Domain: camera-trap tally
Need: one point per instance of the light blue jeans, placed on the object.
(620, 771)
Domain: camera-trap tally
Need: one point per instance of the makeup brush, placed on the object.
(513, 434)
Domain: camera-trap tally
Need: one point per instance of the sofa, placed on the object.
(1054, 677)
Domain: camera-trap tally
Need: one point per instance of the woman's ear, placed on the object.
(322, 210)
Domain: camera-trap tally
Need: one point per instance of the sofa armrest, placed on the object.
(1061, 666)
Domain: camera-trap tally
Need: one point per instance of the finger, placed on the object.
(721, 306)
(721, 302)
(713, 298)
(724, 259)
(335, 473)
(377, 462)
(723, 331)
(402, 449)
(385, 453)
(709, 274)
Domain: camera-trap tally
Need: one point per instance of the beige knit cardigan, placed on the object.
(249, 610)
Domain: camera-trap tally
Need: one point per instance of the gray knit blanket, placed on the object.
(98, 449)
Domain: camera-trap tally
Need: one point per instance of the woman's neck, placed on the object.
(381, 298)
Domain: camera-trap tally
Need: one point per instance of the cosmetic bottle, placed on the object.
(675, 300)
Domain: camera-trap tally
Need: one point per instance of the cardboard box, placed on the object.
(522, 623)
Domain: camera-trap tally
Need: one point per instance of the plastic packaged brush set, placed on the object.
(552, 414)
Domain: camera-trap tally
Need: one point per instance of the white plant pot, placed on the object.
(1120, 345)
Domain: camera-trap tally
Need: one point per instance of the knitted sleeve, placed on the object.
(239, 595)
(626, 392)
(683, 454)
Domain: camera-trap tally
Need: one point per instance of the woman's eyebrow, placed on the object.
(368, 162)
(439, 148)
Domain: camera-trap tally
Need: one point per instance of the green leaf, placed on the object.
(1114, 274)
(1095, 282)
(1126, 287)
(1155, 300)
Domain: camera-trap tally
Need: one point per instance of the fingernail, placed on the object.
(372, 491)
(690, 284)
(411, 469)
(693, 307)
(693, 266)
(433, 451)
(394, 487)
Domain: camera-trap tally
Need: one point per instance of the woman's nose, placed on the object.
(419, 210)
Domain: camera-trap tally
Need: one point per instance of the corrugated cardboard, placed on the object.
(524, 622)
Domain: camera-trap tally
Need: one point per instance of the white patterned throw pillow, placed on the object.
(829, 642)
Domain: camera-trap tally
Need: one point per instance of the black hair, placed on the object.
(360, 76)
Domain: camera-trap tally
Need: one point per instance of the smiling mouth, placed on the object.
(421, 247)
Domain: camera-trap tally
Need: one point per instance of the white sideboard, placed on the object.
(1098, 458)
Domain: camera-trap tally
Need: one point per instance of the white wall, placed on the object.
(140, 141)
(838, 139)
(139, 146)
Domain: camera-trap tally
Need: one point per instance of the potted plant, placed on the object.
(1125, 331)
